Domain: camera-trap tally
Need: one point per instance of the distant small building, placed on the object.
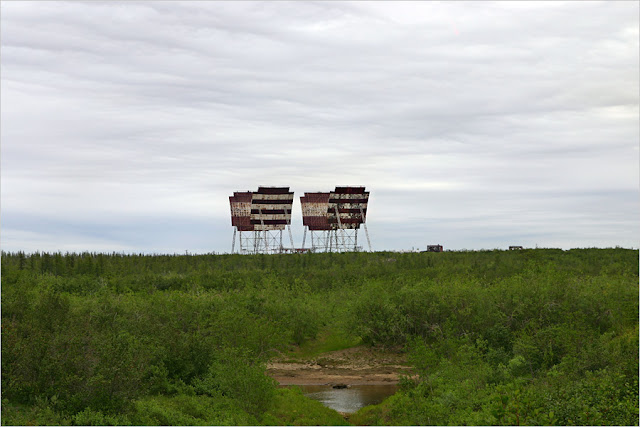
(434, 248)
(515, 248)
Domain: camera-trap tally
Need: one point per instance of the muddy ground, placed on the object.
(360, 365)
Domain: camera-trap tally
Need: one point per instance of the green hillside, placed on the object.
(531, 337)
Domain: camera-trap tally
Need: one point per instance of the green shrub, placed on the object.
(189, 410)
(291, 407)
(90, 417)
(234, 375)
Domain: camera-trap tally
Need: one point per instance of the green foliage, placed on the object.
(89, 417)
(39, 413)
(189, 410)
(332, 339)
(496, 337)
(234, 374)
(291, 408)
(552, 342)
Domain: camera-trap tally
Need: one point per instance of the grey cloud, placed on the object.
(112, 109)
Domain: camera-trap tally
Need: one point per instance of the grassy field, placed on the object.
(532, 337)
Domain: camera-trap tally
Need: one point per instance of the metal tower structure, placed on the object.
(260, 219)
(334, 218)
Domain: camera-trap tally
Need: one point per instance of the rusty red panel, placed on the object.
(269, 221)
(343, 200)
(239, 208)
(270, 211)
(334, 220)
(350, 190)
(320, 227)
(315, 198)
(240, 221)
(270, 208)
(314, 210)
(319, 209)
(240, 204)
(351, 206)
(273, 190)
(351, 211)
(316, 222)
(272, 202)
(242, 197)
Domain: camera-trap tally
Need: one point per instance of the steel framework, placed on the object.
(260, 219)
(333, 219)
(339, 240)
(261, 242)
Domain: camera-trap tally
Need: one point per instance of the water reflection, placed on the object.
(351, 399)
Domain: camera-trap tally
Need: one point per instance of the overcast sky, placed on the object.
(125, 126)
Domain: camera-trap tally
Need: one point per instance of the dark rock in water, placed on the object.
(340, 386)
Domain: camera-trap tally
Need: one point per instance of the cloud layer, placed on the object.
(126, 126)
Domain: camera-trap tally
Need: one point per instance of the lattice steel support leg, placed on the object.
(256, 241)
(366, 232)
(291, 237)
(304, 237)
(233, 244)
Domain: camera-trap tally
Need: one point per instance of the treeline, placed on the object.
(496, 337)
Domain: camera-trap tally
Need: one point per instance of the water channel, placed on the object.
(349, 400)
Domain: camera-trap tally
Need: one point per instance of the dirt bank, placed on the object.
(360, 365)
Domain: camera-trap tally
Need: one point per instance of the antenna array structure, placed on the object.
(334, 218)
(260, 218)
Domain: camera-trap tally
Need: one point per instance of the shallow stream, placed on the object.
(349, 400)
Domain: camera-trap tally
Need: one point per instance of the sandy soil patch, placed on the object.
(360, 365)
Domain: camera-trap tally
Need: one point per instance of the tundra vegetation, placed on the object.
(526, 337)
